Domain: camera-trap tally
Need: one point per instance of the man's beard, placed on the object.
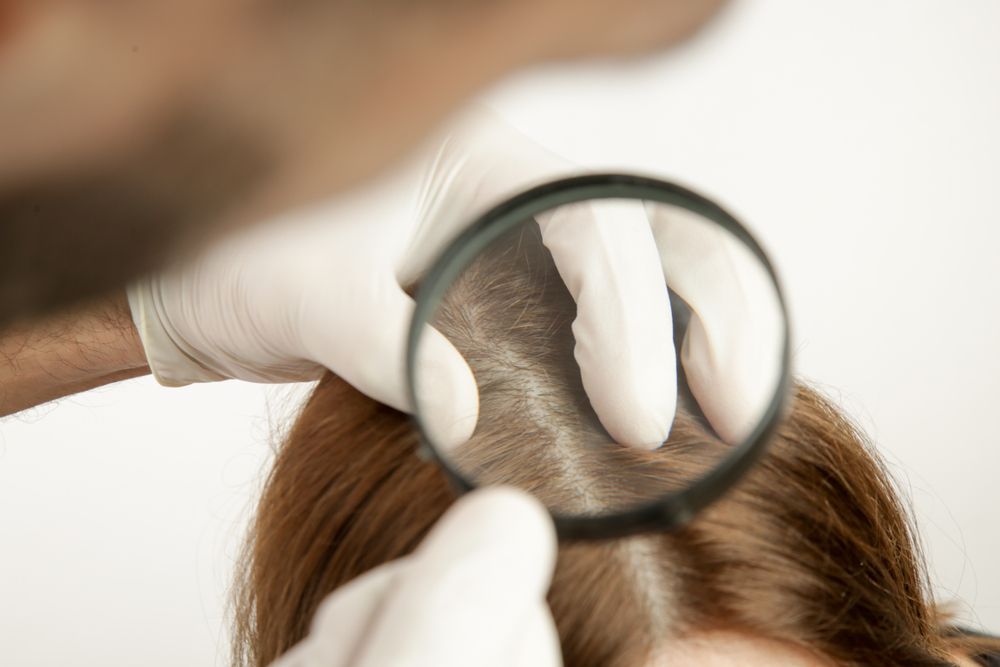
(79, 234)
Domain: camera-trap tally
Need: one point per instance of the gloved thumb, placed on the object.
(472, 594)
(474, 591)
(366, 346)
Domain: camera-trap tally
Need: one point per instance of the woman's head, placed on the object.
(812, 554)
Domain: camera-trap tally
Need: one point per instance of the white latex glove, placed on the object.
(317, 289)
(614, 256)
(607, 256)
(732, 352)
(322, 289)
(472, 594)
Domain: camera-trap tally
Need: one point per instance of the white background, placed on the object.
(859, 139)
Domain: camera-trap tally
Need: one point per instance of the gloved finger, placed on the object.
(377, 326)
(607, 256)
(732, 351)
(341, 623)
(447, 202)
(473, 583)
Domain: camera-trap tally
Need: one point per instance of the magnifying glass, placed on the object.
(496, 294)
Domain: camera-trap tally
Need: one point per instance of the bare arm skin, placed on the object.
(90, 346)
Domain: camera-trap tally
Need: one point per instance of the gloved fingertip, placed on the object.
(647, 430)
(733, 374)
(471, 585)
(447, 398)
(500, 525)
(638, 409)
(734, 408)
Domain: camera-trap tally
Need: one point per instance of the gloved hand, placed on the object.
(322, 290)
(317, 289)
(613, 257)
(472, 594)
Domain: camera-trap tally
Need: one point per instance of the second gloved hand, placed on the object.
(473, 593)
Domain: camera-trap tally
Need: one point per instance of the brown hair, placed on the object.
(813, 549)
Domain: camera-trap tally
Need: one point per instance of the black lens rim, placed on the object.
(671, 511)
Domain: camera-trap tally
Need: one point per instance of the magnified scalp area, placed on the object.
(511, 317)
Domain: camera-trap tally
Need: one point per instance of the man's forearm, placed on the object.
(89, 346)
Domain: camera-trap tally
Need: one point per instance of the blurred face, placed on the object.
(83, 81)
(131, 128)
(197, 112)
(311, 89)
(340, 85)
(113, 153)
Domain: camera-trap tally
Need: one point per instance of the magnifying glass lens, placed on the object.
(588, 326)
